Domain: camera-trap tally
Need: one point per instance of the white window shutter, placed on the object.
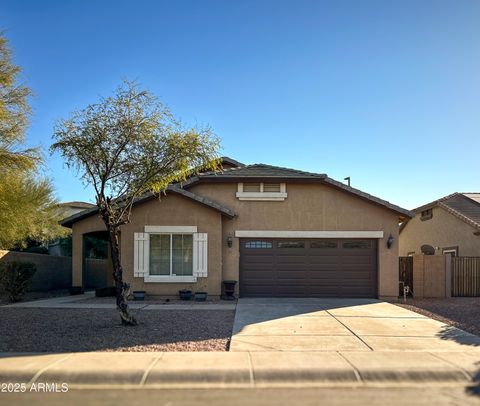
(200, 255)
(141, 254)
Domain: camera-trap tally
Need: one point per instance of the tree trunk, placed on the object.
(122, 287)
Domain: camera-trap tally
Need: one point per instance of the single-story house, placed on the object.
(451, 225)
(277, 231)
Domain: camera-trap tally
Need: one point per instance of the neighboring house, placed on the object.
(451, 225)
(278, 231)
(71, 208)
(63, 246)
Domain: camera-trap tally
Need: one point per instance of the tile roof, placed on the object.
(465, 206)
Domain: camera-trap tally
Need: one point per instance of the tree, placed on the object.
(14, 115)
(27, 204)
(127, 145)
(28, 209)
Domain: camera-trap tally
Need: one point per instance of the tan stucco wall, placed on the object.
(169, 211)
(80, 228)
(174, 210)
(442, 230)
(308, 207)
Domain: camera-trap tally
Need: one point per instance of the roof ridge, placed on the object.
(293, 169)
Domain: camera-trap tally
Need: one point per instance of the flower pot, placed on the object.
(185, 294)
(138, 295)
(201, 296)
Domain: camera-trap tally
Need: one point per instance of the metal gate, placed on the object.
(405, 274)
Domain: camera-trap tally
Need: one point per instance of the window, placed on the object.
(291, 244)
(262, 191)
(426, 214)
(323, 244)
(271, 187)
(252, 187)
(258, 244)
(453, 251)
(357, 244)
(171, 254)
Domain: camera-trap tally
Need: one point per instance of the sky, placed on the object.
(386, 92)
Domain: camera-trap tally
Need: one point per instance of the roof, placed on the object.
(263, 172)
(465, 206)
(69, 221)
(80, 205)
(258, 172)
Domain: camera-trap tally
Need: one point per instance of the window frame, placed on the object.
(426, 214)
(262, 195)
(450, 250)
(170, 277)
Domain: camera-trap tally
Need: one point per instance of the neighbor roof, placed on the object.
(465, 206)
(80, 205)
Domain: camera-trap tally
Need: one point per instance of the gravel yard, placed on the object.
(461, 312)
(67, 330)
(36, 295)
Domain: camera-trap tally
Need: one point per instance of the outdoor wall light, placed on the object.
(229, 241)
(390, 241)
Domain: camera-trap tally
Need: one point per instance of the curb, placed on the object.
(237, 369)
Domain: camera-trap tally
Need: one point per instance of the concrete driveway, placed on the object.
(313, 324)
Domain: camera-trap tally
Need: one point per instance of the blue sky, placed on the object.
(387, 92)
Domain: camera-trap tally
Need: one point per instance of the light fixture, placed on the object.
(390, 241)
(229, 241)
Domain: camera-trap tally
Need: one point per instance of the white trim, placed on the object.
(265, 196)
(307, 234)
(272, 196)
(171, 229)
(169, 279)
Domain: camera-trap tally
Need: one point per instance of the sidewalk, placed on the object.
(242, 369)
(75, 302)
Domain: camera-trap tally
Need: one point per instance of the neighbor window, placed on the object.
(171, 254)
(426, 214)
(453, 251)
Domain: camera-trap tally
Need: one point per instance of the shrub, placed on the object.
(15, 277)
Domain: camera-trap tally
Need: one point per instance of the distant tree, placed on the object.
(127, 145)
(27, 203)
(14, 114)
(28, 210)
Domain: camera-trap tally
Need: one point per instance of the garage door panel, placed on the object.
(324, 268)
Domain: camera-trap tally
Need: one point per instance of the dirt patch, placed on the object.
(460, 312)
(67, 330)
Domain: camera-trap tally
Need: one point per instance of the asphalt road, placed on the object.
(418, 396)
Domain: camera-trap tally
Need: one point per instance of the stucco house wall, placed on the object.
(442, 230)
(308, 207)
(171, 210)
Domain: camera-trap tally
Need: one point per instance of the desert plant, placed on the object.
(15, 277)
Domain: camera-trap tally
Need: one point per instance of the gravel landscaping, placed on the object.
(29, 296)
(460, 312)
(72, 330)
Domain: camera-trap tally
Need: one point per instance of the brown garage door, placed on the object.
(308, 268)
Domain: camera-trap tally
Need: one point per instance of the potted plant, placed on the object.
(138, 295)
(185, 294)
(201, 295)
